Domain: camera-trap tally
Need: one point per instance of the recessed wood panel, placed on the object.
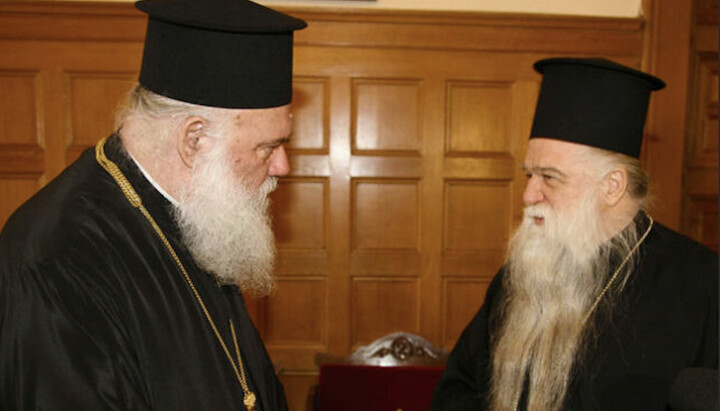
(709, 153)
(701, 218)
(478, 118)
(386, 116)
(296, 312)
(19, 110)
(22, 159)
(385, 214)
(462, 298)
(472, 263)
(310, 114)
(477, 215)
(94, 98)
(380, 307)
(385, 263)
(299, 208)
(706, 142)
(14, 192)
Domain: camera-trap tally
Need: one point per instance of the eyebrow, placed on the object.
(544, 170)
(275, 143)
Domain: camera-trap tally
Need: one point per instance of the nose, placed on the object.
(279, 164)
(533, 193)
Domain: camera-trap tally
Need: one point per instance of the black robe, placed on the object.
(666, 319)
(96, 315)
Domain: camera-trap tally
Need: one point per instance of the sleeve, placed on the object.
(61, 347)
(463, 385)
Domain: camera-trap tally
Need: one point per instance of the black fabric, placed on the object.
(96, 315)
(666, 320)
(695, 389)
(239, 16)
(219, 53)
(594, 102)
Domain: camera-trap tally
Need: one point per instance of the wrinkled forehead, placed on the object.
(263, 124)
(564, 156)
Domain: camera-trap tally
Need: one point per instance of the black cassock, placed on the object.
(666, 320)
(96, 315)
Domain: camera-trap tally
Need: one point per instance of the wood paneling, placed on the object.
(382, 306)
(18, 115)
(700, 178)
(478, 118)
(457, 293)
(386, 116)
(409, 128)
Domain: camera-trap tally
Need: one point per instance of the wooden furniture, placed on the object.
(396, 372)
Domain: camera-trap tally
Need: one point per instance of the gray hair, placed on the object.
(160, 116)
(638, 187)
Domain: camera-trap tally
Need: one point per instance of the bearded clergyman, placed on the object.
(121, 281)
(598, 306)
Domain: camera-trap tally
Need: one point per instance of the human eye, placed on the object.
(264, 151)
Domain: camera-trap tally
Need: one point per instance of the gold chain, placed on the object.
(249, 398)
(617, 271)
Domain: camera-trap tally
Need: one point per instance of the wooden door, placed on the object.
(700, 181)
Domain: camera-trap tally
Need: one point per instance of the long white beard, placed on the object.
(226, 226)
(553, 274)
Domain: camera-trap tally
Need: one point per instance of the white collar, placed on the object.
(153, 182)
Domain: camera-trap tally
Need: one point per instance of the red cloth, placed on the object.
(345, 387)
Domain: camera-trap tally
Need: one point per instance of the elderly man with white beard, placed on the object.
(121, 280)
(598, 306)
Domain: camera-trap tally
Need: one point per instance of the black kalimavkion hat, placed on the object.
(593, 101)
(220, 53)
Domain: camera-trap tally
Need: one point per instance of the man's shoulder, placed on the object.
(683, 260)
(68, 213)
(677, 245)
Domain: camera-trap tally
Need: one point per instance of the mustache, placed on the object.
(537, 210)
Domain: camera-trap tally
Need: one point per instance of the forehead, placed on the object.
(264, 124)
(562, 155)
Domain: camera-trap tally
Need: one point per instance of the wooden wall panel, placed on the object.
(92, 100)
(469, 202)
(385, 215)
(700, 179)
(383, 306)
(478, 118)
(462, 298)
(300, 214)
(386, 116)
(310, 121)
(18, 115)
(409, 129)
(298, 301)
(22, 159)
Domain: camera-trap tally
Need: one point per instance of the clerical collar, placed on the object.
(153, 182)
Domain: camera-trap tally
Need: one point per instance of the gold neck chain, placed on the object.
(249, 398)
(620, 267)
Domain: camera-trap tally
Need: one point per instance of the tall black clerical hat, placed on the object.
(593, 101)
(220, 53)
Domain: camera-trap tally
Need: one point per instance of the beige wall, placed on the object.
(608, 8)
(614, 8)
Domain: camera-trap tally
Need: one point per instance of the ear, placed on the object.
(614, 186)
(191, 138)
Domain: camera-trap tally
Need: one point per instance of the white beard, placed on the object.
(553, 274)
(226, 226)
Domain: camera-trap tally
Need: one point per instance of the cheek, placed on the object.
(253, 175)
